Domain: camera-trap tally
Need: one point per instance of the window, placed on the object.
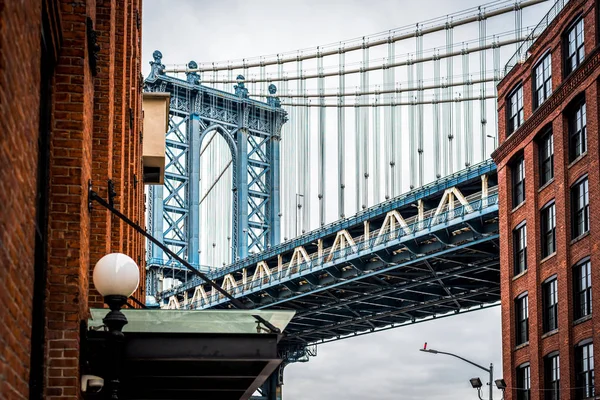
(574, 47)
(542, 80)
(577, 131)
(582, 280)
(580, 208)
(550, 304)
(515, 110)
(523, 383)
(518, 182)
(584, 370)
(522, 313)
(546, 147)
(548, 225)
(551, 377)
(520, 248)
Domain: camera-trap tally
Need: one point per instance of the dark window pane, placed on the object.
(515, 110)
(520, 249)
(543, 80)
(577, 131)
(522, 313)
(580, 208)
(546, 150)
(551, 377)
(584, 370)
(518, 178)
(550, 305)
(523, 383)
(548, 228)
(574, 46)
(582, 280)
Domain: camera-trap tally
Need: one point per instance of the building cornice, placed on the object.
(589, 65)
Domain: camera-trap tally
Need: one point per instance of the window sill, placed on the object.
(582, 319)
(543, 260)
(522, 345)
(519, 206)
(514, 278)
(545, 185)
(551, 333)
(580, 237)
(579, 157)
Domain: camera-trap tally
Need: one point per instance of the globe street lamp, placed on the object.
(475, 382)
(116, 276)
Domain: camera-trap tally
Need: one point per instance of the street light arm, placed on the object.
(459, 357)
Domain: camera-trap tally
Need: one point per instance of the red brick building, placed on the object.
(549, 182)
(70, 113)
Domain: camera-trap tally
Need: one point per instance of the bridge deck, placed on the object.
(372, 273)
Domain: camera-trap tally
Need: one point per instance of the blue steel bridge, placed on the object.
(349, 182)
(427, 253)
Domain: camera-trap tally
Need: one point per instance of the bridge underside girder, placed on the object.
(427, 278)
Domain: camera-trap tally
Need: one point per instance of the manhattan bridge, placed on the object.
(350, 182)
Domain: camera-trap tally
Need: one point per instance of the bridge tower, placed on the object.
(252, 130)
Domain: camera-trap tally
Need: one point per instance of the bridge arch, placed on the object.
(215, 250)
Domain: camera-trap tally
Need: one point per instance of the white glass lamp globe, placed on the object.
(116, 274)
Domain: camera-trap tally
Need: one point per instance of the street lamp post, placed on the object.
(116, 276)
(489, 370)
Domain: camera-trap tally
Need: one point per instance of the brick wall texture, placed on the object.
(94, 135)
(523, 142)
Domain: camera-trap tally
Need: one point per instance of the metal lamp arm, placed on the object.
(465, 360)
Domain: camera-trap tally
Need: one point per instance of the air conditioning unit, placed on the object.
(155, 107)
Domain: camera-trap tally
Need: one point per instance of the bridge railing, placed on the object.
(317, 260)
(522, 51)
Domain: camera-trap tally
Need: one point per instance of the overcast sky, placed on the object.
(385, 365)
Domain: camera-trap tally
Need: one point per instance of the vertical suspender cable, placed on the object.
(299, 150)
(458, 153)
(263, 89)
(411, 126)
(365, 124)
(357, 148)
(420, 106)
(321, 89)
(341, 114)
(436, 117)
(467, 136)
(306, 148)
(397, 145)
(387, 123)
(376, 151)
(392, 149)
(497, 75)
(518, 25)
(482, 102)
(448, 125)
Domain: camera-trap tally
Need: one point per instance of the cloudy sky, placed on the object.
(385, 365)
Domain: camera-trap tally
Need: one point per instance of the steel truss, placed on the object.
(252, 131)
(370, 273)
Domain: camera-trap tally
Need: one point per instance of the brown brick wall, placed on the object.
(89, 125)
(19, 131)
(523, 141)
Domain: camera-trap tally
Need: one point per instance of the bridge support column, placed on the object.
(275, 235)
(271, 389)
(194, 188)
(241, 247)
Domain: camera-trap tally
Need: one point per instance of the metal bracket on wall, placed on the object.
(93, 46)
(93, 196)
(111, 193)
